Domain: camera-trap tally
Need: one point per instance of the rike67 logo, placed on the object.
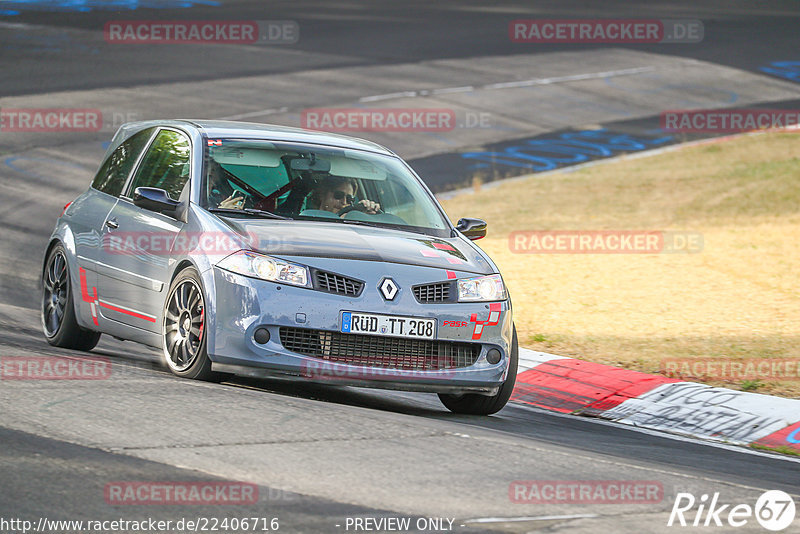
(774, 510)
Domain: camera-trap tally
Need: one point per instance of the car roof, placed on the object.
(250, 130)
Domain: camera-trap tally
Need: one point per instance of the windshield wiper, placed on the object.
(341, 221)
(363, 223)
(390, 226)
(249, 211)
(266, 213)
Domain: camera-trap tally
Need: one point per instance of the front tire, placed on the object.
(183, 331)
(475, 404)
(58, 308)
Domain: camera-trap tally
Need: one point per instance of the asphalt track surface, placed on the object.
(367, 33)
(320, 454)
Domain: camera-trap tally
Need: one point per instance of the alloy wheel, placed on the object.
(54, 296)
(183, 325)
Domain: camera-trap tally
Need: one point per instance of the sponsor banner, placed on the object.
(729, 120)
(180, 493)
(379, 120)
(747, 369)
(201, 32)
(40, 120)
(606, 31)
(54, 368)
(604, 242)
(708, 412)
(586, 491)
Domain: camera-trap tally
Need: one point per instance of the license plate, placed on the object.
(388, 325)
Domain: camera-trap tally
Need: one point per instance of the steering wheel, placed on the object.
(359, 207)
(244, 186)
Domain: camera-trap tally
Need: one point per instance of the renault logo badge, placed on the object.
(388, 288)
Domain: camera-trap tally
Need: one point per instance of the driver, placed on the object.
(335, 193)
(220, 192)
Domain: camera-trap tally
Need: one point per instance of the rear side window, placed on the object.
(114, 172)
(166, 164)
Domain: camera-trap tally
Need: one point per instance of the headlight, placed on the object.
(266, 268)
(482, 288)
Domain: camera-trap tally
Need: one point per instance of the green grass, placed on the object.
(738, 298)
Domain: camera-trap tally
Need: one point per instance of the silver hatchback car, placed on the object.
(267, 251)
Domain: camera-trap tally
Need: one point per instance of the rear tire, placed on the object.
(475, 404)
(183, 330)
(58, 308)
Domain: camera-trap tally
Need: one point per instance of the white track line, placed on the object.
(510, 85)
(744, 449)
(531, 518)
(254, 114)
(465, 89)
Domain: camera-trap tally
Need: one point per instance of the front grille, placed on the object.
(380, 351)
(438, 292)
(336, 283)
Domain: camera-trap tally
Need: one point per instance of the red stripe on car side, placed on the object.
(128, 312)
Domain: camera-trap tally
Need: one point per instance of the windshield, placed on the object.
(316, 183)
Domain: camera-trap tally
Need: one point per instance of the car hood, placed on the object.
(343, 241)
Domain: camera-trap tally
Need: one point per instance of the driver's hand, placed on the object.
(368, 206)
(232, 202)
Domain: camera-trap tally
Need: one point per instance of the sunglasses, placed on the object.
(341, 195)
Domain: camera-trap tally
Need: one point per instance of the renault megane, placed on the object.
(269, 251)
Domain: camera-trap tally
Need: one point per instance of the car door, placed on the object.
(88, 214)
(134, 269)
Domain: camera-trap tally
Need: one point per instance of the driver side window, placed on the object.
(165, 165)
(114, 172)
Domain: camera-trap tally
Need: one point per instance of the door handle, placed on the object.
(112, 223)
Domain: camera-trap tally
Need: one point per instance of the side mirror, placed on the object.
(154, 199)
(472, 228)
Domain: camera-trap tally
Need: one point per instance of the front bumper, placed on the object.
(240, 305)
